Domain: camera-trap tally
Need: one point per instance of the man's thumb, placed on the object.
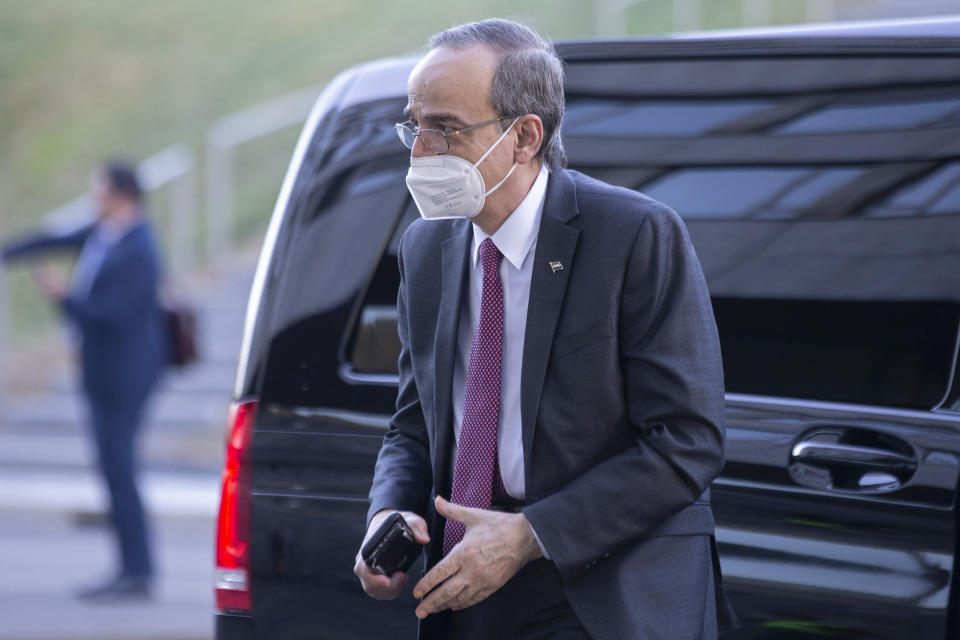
(452, 511)
(419, 526)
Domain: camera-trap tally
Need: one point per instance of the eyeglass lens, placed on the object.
(432, 140)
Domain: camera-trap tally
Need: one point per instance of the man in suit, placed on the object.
(111, 305)
(560, 414)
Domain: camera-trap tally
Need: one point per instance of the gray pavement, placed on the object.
(45, 556)
(52, 503)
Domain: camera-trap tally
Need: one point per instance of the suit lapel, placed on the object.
(113, 251)
(110, 252)
(556, 243)
(456, 250)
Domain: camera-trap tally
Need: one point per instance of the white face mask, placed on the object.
(447, 186)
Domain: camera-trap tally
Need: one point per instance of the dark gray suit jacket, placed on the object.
(622, 406)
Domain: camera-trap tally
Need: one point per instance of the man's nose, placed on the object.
(419, 149)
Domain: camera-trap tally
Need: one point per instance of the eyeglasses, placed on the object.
(434, 140)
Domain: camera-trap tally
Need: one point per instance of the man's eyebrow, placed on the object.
(447, 118)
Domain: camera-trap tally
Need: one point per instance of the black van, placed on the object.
(818, 173)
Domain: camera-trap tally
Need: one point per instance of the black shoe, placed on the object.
(123, 588)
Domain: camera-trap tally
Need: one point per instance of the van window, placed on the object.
(874, 117)
(936, 193)
(725, 192)
(343, 214)
(832, 262)
(895, 354)
(658, 118)
(374, 345)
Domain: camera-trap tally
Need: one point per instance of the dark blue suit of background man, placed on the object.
(112, 306)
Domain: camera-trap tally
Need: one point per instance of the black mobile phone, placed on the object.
(392, 547)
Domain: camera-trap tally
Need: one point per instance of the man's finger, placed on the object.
(453, 511)
(371, 577)
(365, 573)
(375, 584)
(397, 581)
(444, 570)
(443, 597)
(419, 526)
(378, 585)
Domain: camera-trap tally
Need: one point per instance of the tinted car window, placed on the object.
(655, 118)
(936, 192)
(949, 203)
(816, 185)
(723, 192)
(865, 352)
(822, 277)
(374, 346)
(874, 117)
(350, 202)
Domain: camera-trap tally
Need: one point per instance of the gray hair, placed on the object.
(528, 77)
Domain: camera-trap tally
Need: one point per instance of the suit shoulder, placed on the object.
(423, 239)
(138, 241)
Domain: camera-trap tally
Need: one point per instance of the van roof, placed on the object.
(931, 26)
(386, 78)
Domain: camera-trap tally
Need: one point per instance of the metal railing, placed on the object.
(231, 131)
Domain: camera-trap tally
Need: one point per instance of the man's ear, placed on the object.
(529, 130)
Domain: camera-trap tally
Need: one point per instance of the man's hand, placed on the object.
(378, 585)
(494, 548)
(50, 284)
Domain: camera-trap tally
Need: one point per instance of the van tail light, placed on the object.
(232, 576)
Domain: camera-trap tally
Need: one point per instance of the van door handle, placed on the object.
(849, 454)
(833, 459)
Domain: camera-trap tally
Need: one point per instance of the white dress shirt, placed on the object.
(517, 241)
(102, 238)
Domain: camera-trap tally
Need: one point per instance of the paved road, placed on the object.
(44, 557)
(51, 499)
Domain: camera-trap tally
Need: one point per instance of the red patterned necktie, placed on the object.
(475, 471)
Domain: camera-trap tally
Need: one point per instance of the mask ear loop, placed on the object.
(492, 147)
(497, 186)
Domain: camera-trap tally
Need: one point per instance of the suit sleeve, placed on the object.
(120, 295)
(673, 386)
(403, 475)
(27, 246)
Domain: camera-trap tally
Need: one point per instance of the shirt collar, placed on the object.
(517, 234)
(110, 233)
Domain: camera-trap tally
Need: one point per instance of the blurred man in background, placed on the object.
(111, 304)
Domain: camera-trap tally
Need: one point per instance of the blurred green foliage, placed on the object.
(84, 79)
